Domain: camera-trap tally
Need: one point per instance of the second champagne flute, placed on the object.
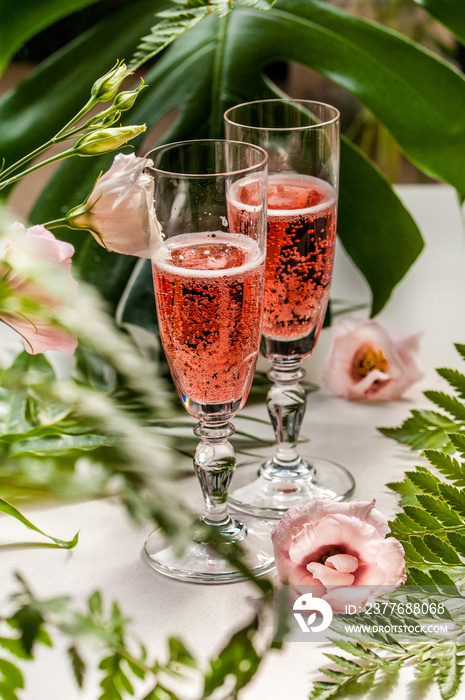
(301, 138)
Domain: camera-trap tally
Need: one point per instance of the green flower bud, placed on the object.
(105, 140)
(103, 120)
(106, 87)
(125, 100)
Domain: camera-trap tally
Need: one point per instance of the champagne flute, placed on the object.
(301, 138)
(208, 280)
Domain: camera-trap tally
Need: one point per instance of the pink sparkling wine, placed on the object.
(300, 252)
(209, 297)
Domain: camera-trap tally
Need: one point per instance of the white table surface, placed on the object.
(431, 299)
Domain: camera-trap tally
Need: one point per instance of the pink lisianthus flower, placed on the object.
(39, 332)
(365, 363)
(119, 211)
(341, 549)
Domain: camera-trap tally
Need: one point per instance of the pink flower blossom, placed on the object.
(365, 363)
(339, 548)
(119, 211)
(39, 333)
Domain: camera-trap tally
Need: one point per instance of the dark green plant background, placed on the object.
(418, 97)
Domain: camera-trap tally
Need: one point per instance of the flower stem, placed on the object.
(87, 107)
(33, 168)
(63, 135)
(55, 223)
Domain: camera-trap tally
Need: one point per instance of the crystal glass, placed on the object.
(209, 280)
(301, 138)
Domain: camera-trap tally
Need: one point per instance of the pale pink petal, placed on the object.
(289, 573)
(297, 516)
(349, 535)
(337, 545)
(345, 563)
(349, 338)
(329, 576)
(408, 347)
(370, 575)
(312, 541)
(392, 559)
(339, 598)
(39, 336)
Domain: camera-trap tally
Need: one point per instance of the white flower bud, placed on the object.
(120, 209)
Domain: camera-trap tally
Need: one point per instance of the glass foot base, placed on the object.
(202, 564)
(271, 498)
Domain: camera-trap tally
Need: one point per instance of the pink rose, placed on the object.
(365, 363)
(39, 334)
(119, 211)
(341, 549)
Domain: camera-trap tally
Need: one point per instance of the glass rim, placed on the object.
(281, 100)
(238, 171)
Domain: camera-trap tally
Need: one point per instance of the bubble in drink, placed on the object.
(209, 303)
(301, 217)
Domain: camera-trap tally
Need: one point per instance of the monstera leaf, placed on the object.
(420, 99)
(449, 12)
(21, 20)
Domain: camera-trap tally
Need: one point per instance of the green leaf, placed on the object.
(450, 673)
(59, 444)
(22, 20)
(449, 13)
(426, 553)
(450, 404)
(11, 677)
(455, 379)
(458, 441)
(160, 693)
(423, 479)
(94, 603)
(171, 25)
(403, 525)
(11, 510)
(418, 577)
(441, 510)
(460, 347)
(457, 540)
(237, 659)
(356, 650)
(443, 550)
(29, 620)
(77, 664)
(345, 663)
(454, 497)
(424, 429)
(180, 654)
(426, 521)
(447, 465)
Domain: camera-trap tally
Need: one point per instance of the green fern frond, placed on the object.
(171, 26)
(449, 404)
(455, 378)
(178, 19)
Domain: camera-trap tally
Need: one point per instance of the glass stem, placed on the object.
(286, 404)
(215, 463)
